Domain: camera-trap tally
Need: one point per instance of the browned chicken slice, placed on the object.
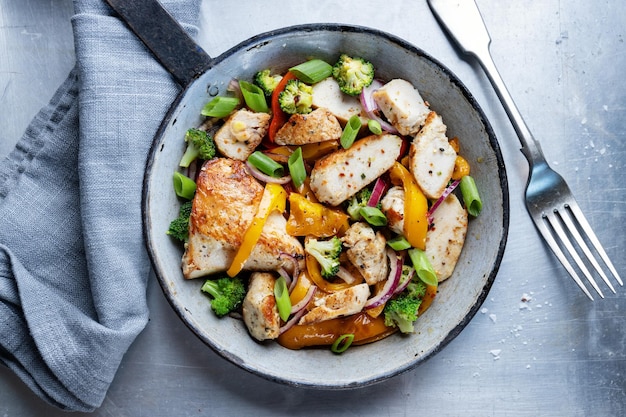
(318, 126)
(341, 174)
(366, 251)
(432, 157)
(445, 239)
(260, 313)
(226, 201)
(338, 304)
(242, 133)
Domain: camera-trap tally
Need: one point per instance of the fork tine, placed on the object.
(557, 226)
(584, 224)
(549, 238)
(568, 218)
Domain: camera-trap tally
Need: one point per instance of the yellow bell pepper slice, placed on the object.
(274, 199)
(300, 289)
(415, 206)
(461, 168)
(307, 218)
(314, 273)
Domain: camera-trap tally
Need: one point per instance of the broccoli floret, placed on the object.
(228, 294)
(358, 201)
(179, 227)
(266, 81)
(353, 74)
(326, 252)
(402, 311)
(297, 97)
(199, 145)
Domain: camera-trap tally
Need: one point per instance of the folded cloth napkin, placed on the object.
(73, 268)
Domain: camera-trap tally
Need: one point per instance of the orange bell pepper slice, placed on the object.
(415, 206)
(274, 199)
(311, 218)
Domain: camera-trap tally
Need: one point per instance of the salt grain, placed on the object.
(495, 353)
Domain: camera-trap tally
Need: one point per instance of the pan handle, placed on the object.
(164, 37)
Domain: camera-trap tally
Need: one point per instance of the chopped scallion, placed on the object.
(220, 107)
(350, 131)
(296, 167)
(281, 294)
(422, 266)
(374, 126)
(184, 186)
(342, 343)
(266, 165)
(471, 198)
(399, 243)
(312, 71)
(254, 97)
(373, 216)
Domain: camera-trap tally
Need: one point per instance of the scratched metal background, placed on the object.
(555, 355)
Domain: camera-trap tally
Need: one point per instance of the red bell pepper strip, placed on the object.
(279, 117)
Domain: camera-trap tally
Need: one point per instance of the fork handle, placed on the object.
(462, 20)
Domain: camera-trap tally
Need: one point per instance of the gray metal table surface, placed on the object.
(554, 354)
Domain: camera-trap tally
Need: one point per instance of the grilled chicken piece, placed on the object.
(392, 205)
(241, 134)
(338, 176)
(340, 303)
(446, 237)
(432, 157)
(226, 201)
(260, 313)
(402, 105)
(318, 126)
(366, 251)
(326, 94)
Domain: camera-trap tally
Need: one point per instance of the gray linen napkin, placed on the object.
(73, 267)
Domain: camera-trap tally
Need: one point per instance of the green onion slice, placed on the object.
(422, 266)
(296, 168)
(373, 216)
(283, 303)
(374, 126)
(312, 71)
(184, 186)
(471, 198)
(220, 107)
(266, 165)
(254, 97)
(350, 131)
(399, 243)
(342, 343)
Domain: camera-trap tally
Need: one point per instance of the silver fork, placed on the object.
(549, 201)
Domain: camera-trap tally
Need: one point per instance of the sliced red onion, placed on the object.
(445, 195)
(305, 300)
(345, 275)
(192, 169)
(392, 281)
(296, 269)
(367, 101)
(283, 273)
(371, 108)
(256, 173)
(292, 321)
(380, 186)
(402, 285)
